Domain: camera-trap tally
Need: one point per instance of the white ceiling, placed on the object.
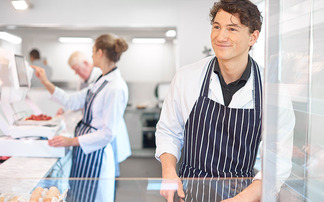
(50, 33)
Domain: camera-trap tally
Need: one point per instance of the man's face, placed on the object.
(230, 39)
(82, 70)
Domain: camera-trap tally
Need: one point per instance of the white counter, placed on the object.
(29, 148)
(21, 175)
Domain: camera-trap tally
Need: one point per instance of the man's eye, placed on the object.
(216, 27)
(232, 29)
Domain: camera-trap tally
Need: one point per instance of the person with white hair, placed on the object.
(82, 66)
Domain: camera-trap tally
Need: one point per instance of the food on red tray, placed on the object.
(40, 117)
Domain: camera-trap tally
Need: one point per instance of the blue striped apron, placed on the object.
(220, 142)
(85, 165)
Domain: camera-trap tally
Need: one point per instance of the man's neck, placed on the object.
(232, 70)
(34, 60)
(89, 71)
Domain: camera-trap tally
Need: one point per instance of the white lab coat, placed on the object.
(107, 116)
(182, 95)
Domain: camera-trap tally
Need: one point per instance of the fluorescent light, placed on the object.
(149, 40)
(75, 40)
(10, 38)
(20, 4)
(171, 33)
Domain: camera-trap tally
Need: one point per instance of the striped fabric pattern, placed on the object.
(220, 142)
(85, 165)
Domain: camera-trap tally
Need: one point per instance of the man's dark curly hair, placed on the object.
(248, 12)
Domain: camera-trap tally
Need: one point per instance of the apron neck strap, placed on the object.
(257, 85)
(205, 85)
(113, 69)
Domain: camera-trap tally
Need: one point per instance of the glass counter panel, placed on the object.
(315, 147)
(137, 189)
(294, 60)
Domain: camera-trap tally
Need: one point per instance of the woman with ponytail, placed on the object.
(103, 103)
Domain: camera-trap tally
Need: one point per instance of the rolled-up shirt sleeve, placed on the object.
(169, 130)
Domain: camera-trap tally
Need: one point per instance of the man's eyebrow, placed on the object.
(234, 25)
(229, 25)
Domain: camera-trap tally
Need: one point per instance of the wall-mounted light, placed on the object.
(10, 38)
(171, 33)
(148, 40)
(21, 4)
(75, 40)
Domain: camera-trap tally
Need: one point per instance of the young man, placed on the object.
(213, 111)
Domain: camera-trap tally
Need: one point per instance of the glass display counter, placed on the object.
(294, 60)
(148, 189)
(138, 189)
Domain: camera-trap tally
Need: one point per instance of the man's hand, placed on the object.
(169, 186)
(171, 182)
(40, 74)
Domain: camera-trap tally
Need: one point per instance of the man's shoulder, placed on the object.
(96, 70)
(195, 67)
(94, 75)
(192, 73)
(40, 63)
(37, 63)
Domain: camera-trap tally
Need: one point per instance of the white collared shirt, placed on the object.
(182, 95)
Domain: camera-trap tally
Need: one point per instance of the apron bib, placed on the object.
(85, 165)
(220, 142)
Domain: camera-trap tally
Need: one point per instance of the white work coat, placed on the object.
(108, 118)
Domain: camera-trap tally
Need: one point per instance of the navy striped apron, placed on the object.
(220, 142)
(85, 165)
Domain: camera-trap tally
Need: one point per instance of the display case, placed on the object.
(140, 189)
(294, 61)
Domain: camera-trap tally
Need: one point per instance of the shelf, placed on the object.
(149, 152)
(148, 129)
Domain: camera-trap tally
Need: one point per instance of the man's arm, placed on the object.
(41, 75)
(169, 175)
(168, 162)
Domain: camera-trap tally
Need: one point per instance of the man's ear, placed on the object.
(254, 37)
(85, 62)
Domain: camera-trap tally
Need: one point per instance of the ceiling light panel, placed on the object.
(75, 40)
(10, 38)
(171, 33)
(20, 4)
